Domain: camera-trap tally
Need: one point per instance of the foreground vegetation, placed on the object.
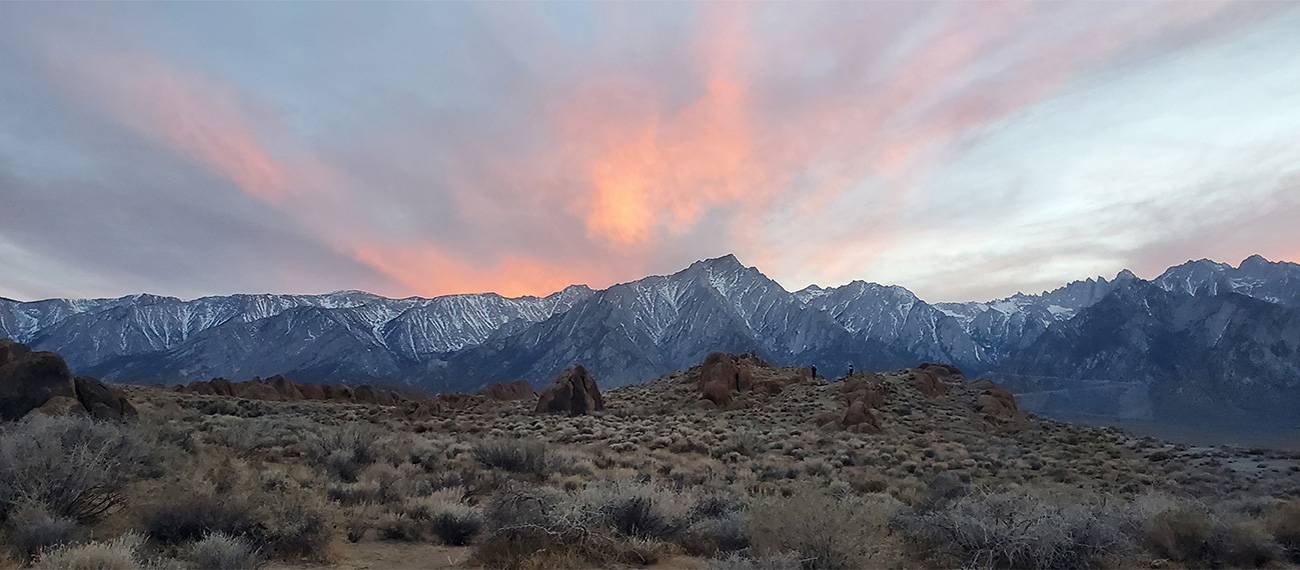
(211, 482)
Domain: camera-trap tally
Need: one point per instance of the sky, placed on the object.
(965, 150)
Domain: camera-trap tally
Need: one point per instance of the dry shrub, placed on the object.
(77, 467)
(343, 452)
(822, 531)
(1180, 533)
(1283, 522)
(120, 554)
(539, 527)
(194, 517)
(1017, 529)
(33, 529)
(525, 457)
(640, 510)
(218, 550)
(455, 524)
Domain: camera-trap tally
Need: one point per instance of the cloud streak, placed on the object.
(527, 147)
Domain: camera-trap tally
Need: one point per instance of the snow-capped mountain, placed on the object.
(1274, 282)
(148, 337)
(636, 331)
(1097, 345)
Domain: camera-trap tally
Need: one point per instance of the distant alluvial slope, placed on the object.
(1202, 334)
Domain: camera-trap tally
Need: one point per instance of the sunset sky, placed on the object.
(964, 150)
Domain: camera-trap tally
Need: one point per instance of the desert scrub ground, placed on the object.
(657, 479)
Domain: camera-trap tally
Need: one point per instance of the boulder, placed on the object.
(222, 387)
(866, 388)
(365, 394)
(288, 391)
(513, 390)
(11, 351)
(102, 402)
(933, 379)
(574, 392)
(727, 370)
(718, 392)
(30, 379)
(997, 404)
(338, 393)
(424, 409)
(255, 389)
(312, 391)
(200, 387)
(60, 406)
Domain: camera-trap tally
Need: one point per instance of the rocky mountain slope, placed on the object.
(1059, 349)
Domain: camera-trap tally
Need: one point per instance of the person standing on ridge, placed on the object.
(850, 371)
(814, 372)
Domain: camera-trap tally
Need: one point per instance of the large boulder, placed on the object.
(513, 390)
(934, 379)
(30, 379)
(722, 375)
(222, 387)
(862, 394)
(60, 406)
(11, 351)
(573, 392)
(312, 391)
(256, 389)
(288, 391)
(726, 369)
(200, 387)
(102, 402)
(40, 382)
(365, 394)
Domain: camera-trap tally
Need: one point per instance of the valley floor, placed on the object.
(657, 480)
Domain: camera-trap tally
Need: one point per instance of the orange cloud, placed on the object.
(653, 169)
(188, 114)
(429, 270)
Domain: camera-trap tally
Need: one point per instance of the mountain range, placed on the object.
(1204, 340)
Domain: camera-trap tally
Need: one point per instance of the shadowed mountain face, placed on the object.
(1204, 340)
(1146, 353)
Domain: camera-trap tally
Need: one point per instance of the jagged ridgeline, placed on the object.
(1204, 340)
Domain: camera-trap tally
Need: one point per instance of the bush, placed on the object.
(33, 529)
(1020, 529)
(1284, 524)
(343, 452)
(77, 467)
(822, 531)
(641, 510)
(784, 561)
(513, 456)
(222, 551)
(524, 524)
(198, 517)
(456, 525)
(295, 526)
(1180, 533)
(120, 554)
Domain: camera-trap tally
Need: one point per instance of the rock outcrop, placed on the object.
(101, 401)
(281, 389)
(862, 394)
(995, 403)
(573, 392)
(41, 382)
(934, 380)
(507, 391)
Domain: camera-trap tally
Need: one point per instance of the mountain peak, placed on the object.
(1126, 275)
(1256, 261)
(726, 262)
